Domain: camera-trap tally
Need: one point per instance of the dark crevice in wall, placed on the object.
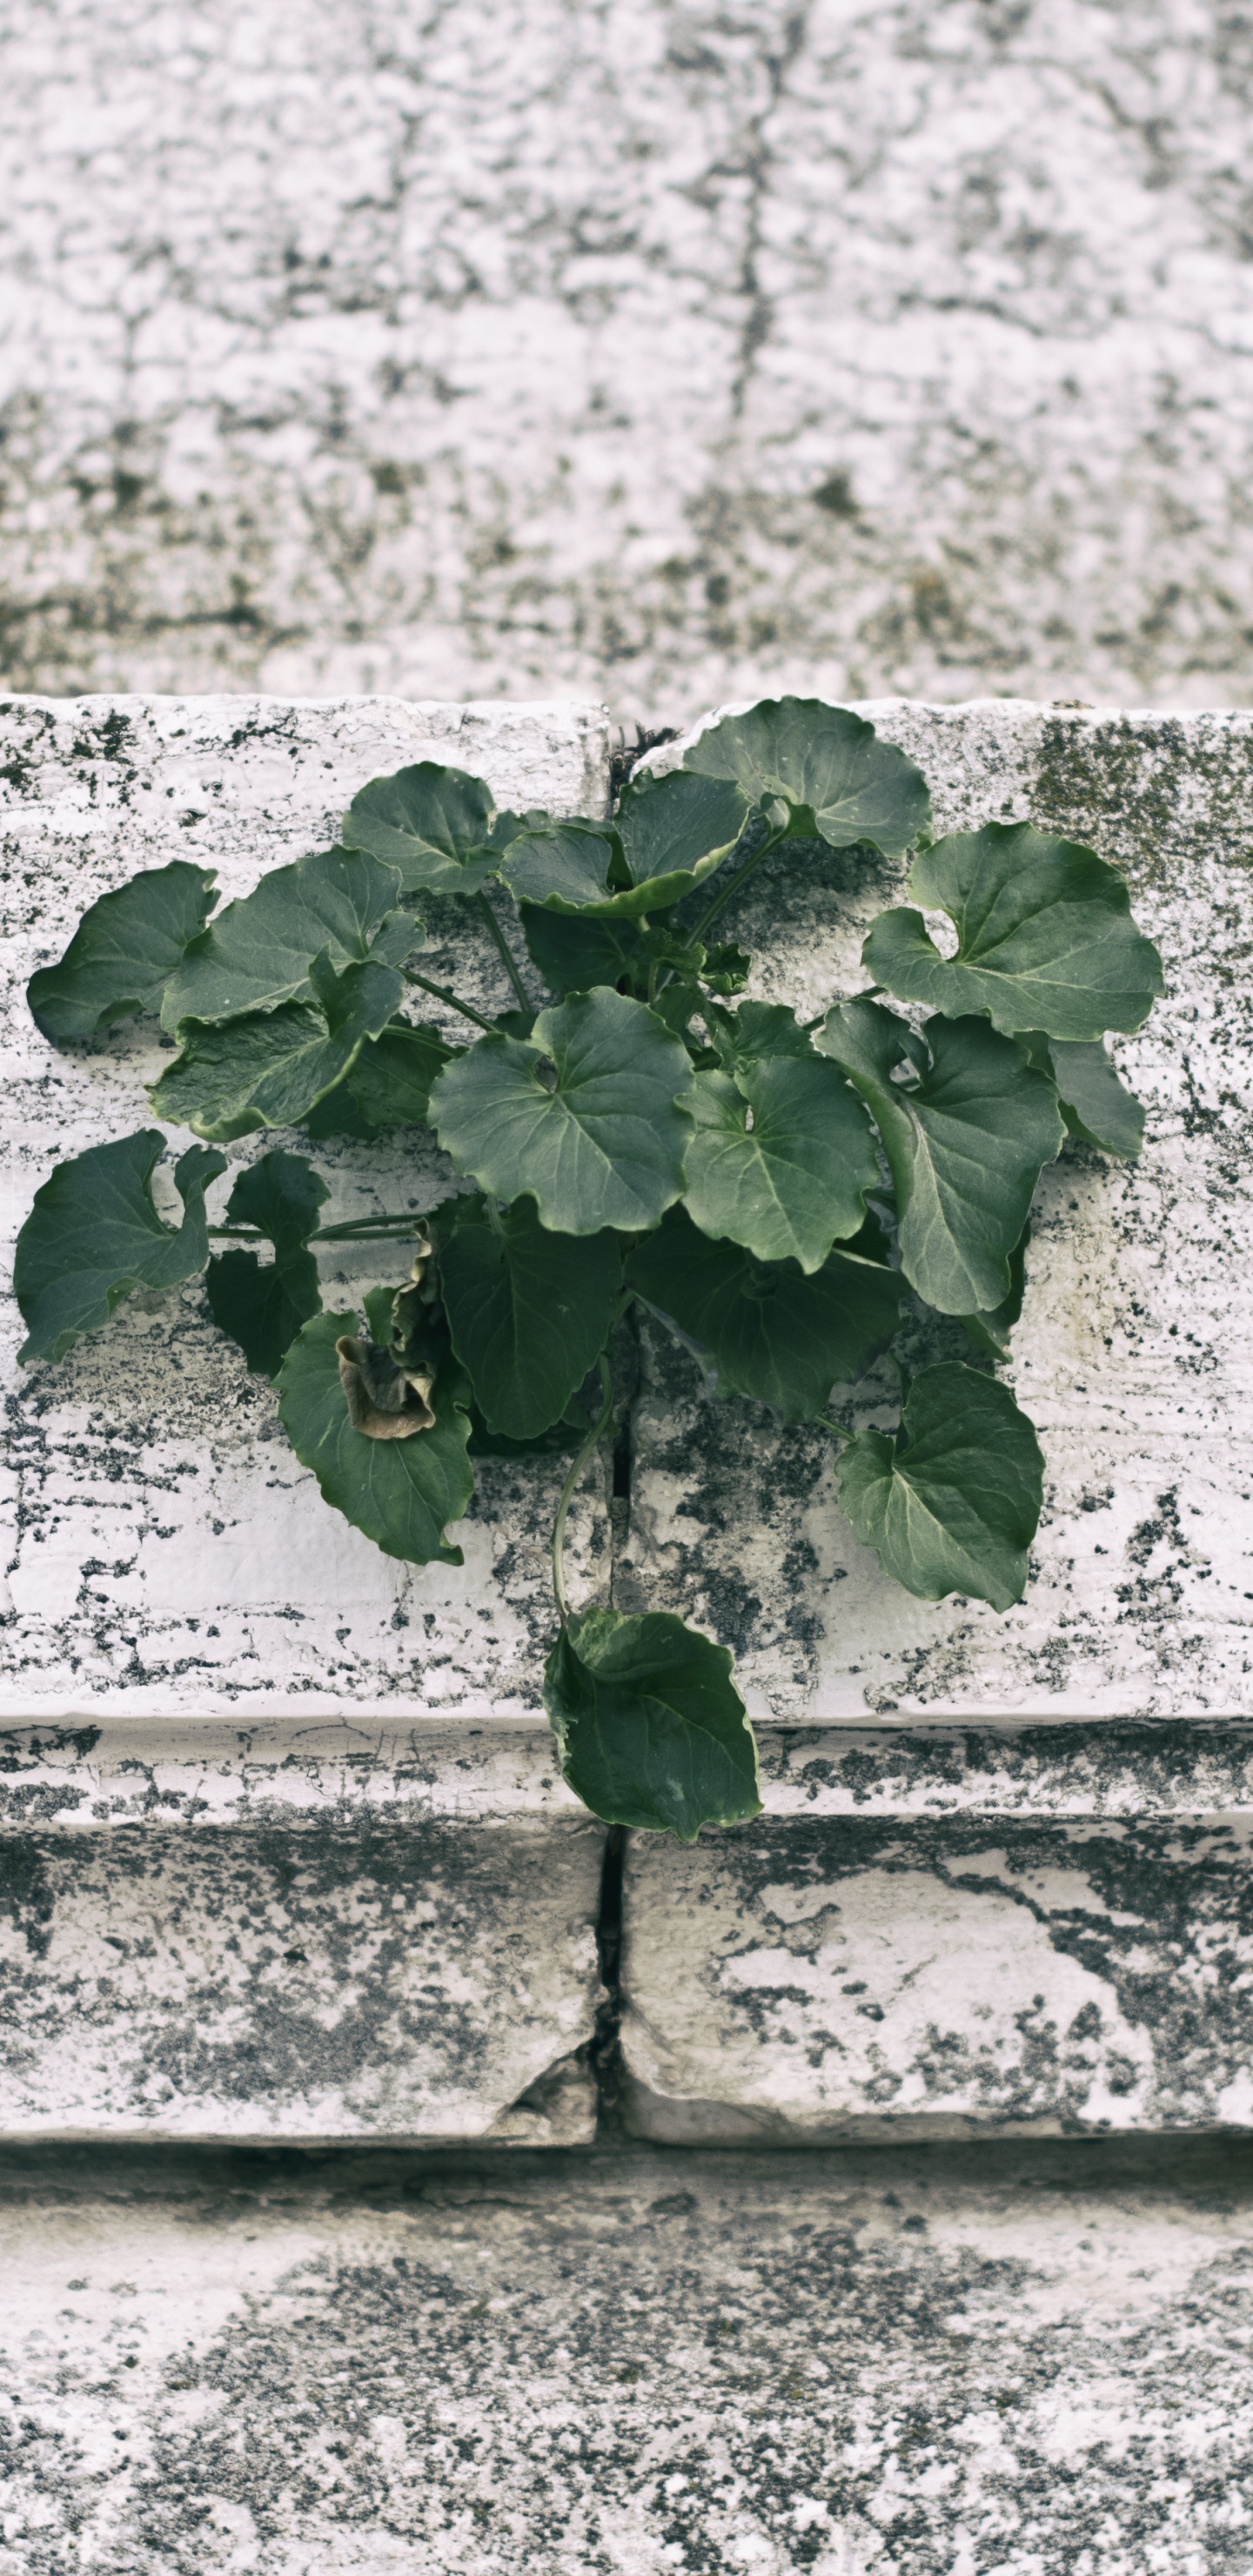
(606, 2046)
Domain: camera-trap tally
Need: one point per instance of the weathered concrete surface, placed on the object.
(650, 349)
(646, 2365)
(1039, 1928)
(295, 1932)
(1132, 1353)
(164, 1549)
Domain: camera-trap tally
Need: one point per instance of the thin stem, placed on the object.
(733, 884)
(596, 1434)
(506, 953)
(442, 994)
(357, 1229)
(842, 1430)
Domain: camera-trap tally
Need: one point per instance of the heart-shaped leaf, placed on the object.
(991, 1330)
(123, 953)
(391, 1078)
(402, 1493)
(651, 1728)
(263, 1309)
(781, 1160)
(93, 1234)
(771, 1333)
(1095, 1104)
(567, 865)
(951, 1502)
(1045, 938)
(438, 826)
(966, 1134)
(269, 1069)
(258, 953)
(589, 1116)
(824, 761)
(528, 1311)
(574, 951)
(667, 836)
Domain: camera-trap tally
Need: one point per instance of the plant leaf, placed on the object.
(528, 1312)
(667, 836)
(966, 1137)
(794, 1181)
(825, 761)
(269, 1069)
(604, 1146)
(123, 952)
(263, 1309)
(951, 1502)
(991, 1330)
(568, 865)
(772, 1333)
(93, 1234)
(651, 1728)
(1045, 936)
(573, 951)
(434, 824)
(392, 1076)
(402, 1493)
(1095, 1104)
(259, 951)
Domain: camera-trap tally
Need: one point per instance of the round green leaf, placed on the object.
(259, 951)
(589, 1116)
(951, 1502)
(1095, 1104)
(771, 1332)
(93, 1234)
(824, 760)
(263, 1309)
(781, 1159)
(270, 1068)
(651, 1728)
(1045, 938)
(567, 865)
(528, 1312)
(402, 1493)
(123, 952)
(433, 824)
(966, 1135)
(391, 1079)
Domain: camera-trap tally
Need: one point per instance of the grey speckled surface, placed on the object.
(641, 2364)
(649, 349)
(299, 1932)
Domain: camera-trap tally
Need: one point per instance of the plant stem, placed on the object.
(506, 953)
(442, 994)
(596, 1434)
(733, 884)
(842, 1430)
(357, 1229)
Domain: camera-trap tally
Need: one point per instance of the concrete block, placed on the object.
(164, 1551)
(1131, 1356)
(856, 2365)
(953, 1933)
(295, 1932)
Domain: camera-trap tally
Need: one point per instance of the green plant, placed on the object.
(779, 1194)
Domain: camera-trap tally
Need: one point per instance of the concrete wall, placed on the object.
(366, 2113)
(646, 349)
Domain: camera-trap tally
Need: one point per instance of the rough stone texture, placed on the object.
(295, 1932)
(950, 1932)
(1131, 1356)
(648, 2365)
(644, 347)
(165, 1550)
